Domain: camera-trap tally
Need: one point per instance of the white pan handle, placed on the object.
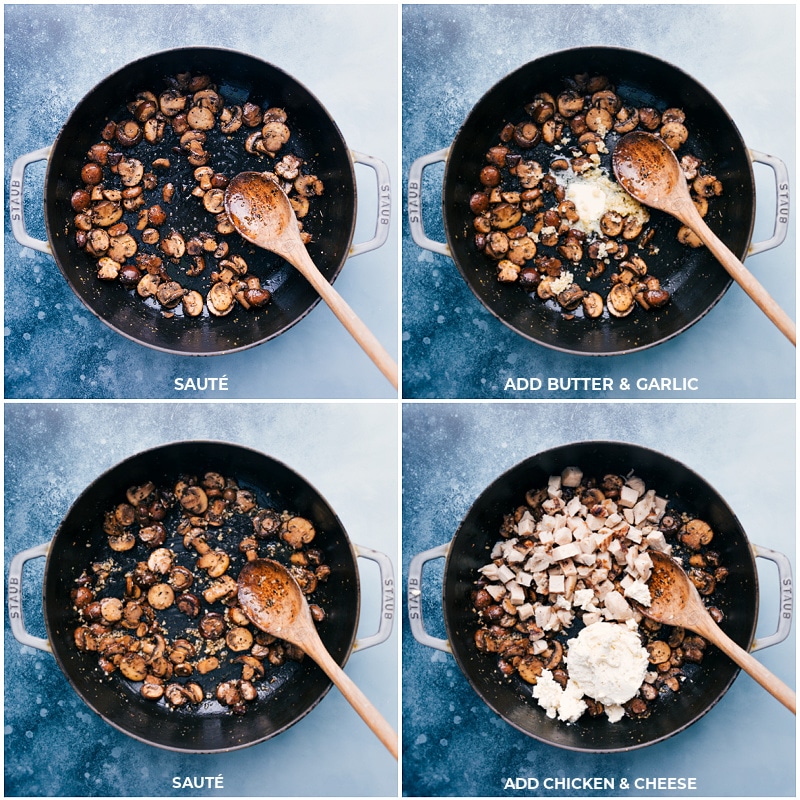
(415, 223)
(386, 623)
(781, 229)
(16, 200)
(14, 597)
(384, 215)
(786, 589)
(414, 598)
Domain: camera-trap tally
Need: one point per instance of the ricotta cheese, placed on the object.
(607, 662)
(567, 703)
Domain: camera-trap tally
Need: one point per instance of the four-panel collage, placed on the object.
(399, 400)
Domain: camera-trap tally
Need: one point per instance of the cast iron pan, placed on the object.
(511, 699)
(694, 279)
(315, 138)
(296, 688)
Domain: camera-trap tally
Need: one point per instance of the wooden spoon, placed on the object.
(676, 601)
(262, 214)
(273, 601)
(649, 171)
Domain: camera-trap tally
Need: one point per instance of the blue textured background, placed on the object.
(54, 744)
(453, 744)
(453, 54)
(55, 54)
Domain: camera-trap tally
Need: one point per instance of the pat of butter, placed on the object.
(594, 194)
(589, 200)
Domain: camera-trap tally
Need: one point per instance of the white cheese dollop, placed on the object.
(568, 703)
(607, 662)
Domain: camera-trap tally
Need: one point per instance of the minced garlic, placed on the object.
(562, 282)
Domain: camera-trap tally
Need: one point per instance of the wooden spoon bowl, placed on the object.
(649, 171)
(274, 602)
(262, 214)
(676, 601)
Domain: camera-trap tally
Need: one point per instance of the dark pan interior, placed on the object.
(511, 699)
(693, 277)
(290, 692)
(315, 138)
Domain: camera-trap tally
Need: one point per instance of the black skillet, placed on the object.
(511, 698)
(315, 138)
(293, 690)
(694, 279)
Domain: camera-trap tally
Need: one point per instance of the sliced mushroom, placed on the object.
(212, 626)
(188, 604)
(123, 542)
(170, 293)
(133, 667)
(194, 500)
(215, 563)
(593, 305)
(97, 242)
(130, 171)
(231, 119)
(221, 589)
(251, 115)
(214, 201)
(674, 134)
(122, 247)
(274, 134)
(106, 213)
(220, 300)
(173, 245)
(228, 693)
(152, 691)
(620, 300)
(108, 269)
(172, 102)
(200, 118)
(180, 578)
(688, 237)
(148, 285)
(161, 560)
(297, 532)
(160, 596)
(239, 639)
(128, 133)
(192, 303)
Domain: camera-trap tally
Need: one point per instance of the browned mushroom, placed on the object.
(297, 532)
(215, 563)
(239, 639)
(160, 596)
(221, 589)
(173, 245)
(620, 300)
(220, 300)
(128, 133)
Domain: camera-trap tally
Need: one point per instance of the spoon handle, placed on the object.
(299, 257)
(357, 699)
(743, 277)
(774, 685)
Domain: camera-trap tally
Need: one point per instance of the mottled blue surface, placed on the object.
(453, 54)
(453, 744)
(54, 744)
(55, 54)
